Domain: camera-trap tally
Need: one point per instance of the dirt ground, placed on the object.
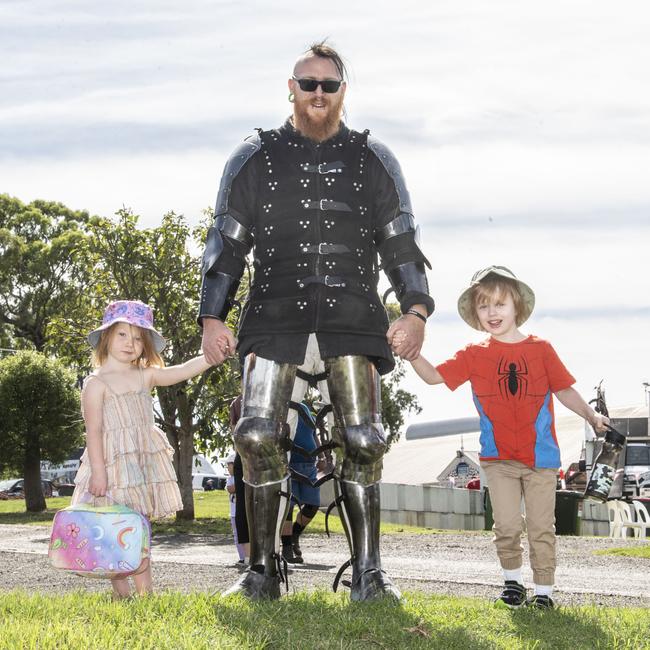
(460, 564)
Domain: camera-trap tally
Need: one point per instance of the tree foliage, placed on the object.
(40, 420)
(39, 267)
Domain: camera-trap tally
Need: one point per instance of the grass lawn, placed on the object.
(211, 509)
(636, 551)
(310, 621)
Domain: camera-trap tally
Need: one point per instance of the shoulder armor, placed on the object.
(239, 157)
(392, 166)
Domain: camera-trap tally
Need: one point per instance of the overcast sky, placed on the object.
(523, 129)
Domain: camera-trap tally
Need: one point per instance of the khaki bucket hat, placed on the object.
(466, 307)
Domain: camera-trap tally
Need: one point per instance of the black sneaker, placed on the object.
(296, 546)
(540, 602)
(288, 555)
(512, 596)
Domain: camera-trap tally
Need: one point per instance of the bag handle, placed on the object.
(89, 498)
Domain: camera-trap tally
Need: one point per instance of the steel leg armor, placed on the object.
(355, 393)
(267, 389)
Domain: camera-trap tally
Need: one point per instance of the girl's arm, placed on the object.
(174, 374)
(571, 398)
(426, 371)
(92, 400)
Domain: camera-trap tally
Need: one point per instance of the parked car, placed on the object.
(208, 476)
(14, 488)
(63, 487)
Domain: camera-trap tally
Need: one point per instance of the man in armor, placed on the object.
(318, 203)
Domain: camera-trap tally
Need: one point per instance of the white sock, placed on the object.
(513, 574)
(544, 590)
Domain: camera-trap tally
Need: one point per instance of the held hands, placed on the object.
(218, 341)
(405, 336)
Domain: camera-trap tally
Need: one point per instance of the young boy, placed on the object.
(513, 377)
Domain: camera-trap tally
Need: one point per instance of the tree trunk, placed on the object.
(34, 499)
(185, 456)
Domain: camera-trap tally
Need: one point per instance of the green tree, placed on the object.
(40, 420)
(40, 273)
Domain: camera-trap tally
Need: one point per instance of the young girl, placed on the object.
(513, 377)
(127, 458)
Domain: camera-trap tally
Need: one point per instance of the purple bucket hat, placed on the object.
(132, 312)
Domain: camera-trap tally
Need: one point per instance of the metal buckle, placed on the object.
(333, 284)
(322, 171)
(320, 204)
(320, 250)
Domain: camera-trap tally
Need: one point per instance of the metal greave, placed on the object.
(355, 394)
(267, 387)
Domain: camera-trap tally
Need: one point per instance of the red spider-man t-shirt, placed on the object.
(512, 386)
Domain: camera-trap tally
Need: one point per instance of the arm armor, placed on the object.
(397, 241)
(217, 295)
(223, 261)
(409, 281)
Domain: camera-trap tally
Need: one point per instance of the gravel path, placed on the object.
(461, 564)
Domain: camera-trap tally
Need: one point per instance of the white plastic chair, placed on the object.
(642, 517)
(614, 513)
(628, 520)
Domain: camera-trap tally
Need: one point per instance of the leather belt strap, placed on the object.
(327, 280)
(230, 227)
(335, 167)
(402, 223)
(325, 249)
(326, 204)
(312, 380)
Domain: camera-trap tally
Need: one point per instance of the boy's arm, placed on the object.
(92, 400)
(175, 374)
(426, 371)
(571, 398)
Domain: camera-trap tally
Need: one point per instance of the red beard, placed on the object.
(321, 127)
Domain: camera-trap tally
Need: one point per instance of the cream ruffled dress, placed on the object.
(138, 457)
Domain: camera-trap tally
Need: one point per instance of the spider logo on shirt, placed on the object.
(513, 378)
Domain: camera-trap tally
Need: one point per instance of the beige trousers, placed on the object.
(508, 481)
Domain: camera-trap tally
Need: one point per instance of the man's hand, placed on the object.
(406, 336)
(218, 341)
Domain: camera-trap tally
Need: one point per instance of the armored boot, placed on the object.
(265, 575)
(359, 507)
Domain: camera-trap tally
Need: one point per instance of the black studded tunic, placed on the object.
(313, 209)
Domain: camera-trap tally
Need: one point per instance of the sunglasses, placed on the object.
(310, 85)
